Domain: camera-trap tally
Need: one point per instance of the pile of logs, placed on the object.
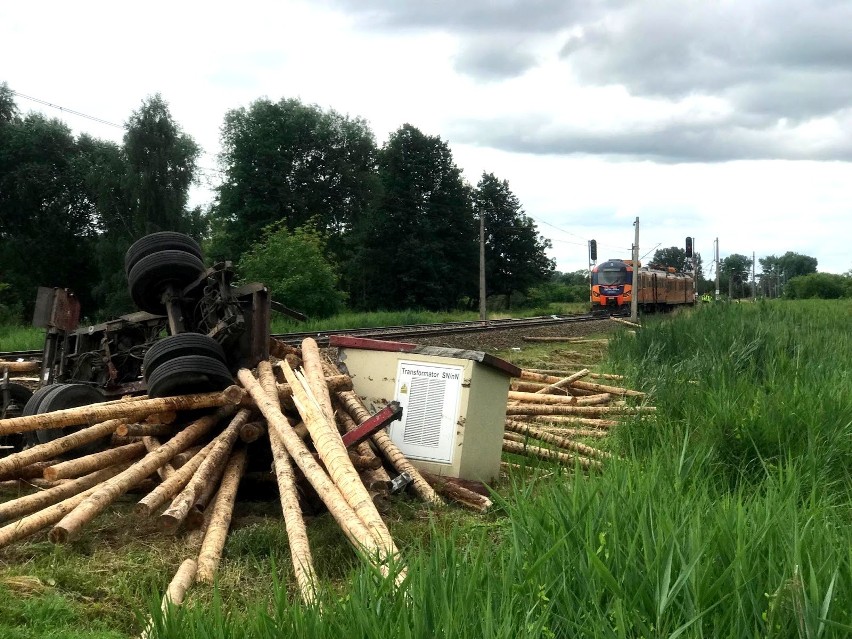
(296, 414)
(291, 414)
(549, 410)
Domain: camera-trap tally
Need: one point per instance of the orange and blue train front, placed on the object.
(612, 287)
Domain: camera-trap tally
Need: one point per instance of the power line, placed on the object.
(67, 110)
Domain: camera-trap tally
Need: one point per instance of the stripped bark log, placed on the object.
(43, 518)
(22, 506)
(32, 471)
(20, 367)
(57, 447)
(130, 410)
(561, 442)
(604, 388)
(333, 453)
(144, 429)
(90, 463)
(113, 488)
(181, 458)
(573, 433)
(540, 409)
(565, 381)
(346, 424)
(209, 471)
(315, 378)
(353, 405)
(279, 427)
(560, 373)
(294, 522)
(458, 494)
(569, 420)
(334, 383)
(151, 444)
(172, 486)
(252, 431)
(175, 593)
(536, 398)
(223, 508)
(550, 455)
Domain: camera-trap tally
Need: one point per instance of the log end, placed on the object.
(233, 394)
(169, 523)
(58, 535)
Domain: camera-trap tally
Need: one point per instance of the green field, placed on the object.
(729, 515)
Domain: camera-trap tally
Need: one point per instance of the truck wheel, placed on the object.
(59, 397)
(180, 345)
(151, 275)
(18, 397)
(188, 374)
(162, 241)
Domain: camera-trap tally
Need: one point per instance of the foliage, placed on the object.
(515, 254)
(293, 266)
(417, 247)
(290, 162)
(776, 271)
(827, 286)
(47, 220)
(734, 273)
(676, 257)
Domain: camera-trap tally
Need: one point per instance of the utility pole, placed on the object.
(634, 298)
(717, 268)
(753, 279)
(483, 312)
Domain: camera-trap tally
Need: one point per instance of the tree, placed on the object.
(290, 162)
(776, 271)
(294, 267)
(827, 286)
(161, 165)
(8, 108)
(47, 220)
(795, 264)
(734, 274)
(515, 254)
(417, 248)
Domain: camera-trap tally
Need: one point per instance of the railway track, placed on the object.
(398, 332)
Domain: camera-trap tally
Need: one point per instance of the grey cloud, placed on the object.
(683, 141)
(494, 59)
(473, 16)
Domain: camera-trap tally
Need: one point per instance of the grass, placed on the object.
(20, 338)
(728, 516)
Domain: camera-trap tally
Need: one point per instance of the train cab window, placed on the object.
(610, 277)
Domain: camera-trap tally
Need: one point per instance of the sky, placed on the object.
(728, 119)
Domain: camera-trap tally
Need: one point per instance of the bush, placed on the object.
(826, 286)
(294, 267)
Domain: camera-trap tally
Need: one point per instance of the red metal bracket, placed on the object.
(388, 414)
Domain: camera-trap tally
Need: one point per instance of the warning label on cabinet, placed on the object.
(429, 395)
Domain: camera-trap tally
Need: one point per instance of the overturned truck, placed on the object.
(193, 331)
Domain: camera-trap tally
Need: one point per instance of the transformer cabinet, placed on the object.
(453, 401)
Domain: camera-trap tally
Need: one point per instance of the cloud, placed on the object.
(781, 69)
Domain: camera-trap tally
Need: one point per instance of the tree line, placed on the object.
(306, 201)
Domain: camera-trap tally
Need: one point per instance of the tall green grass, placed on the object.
(729, 515)
(14, 337)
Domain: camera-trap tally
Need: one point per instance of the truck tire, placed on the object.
(70, 396)
(188, 374)
(175, 346)
(19, 396)
(151, 275)
(156, 242)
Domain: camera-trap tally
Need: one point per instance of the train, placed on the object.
(660, 288)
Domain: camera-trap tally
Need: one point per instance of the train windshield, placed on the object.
(612, 276)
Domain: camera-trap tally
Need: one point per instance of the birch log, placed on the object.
(279, 427)
(209, 470)
(353, 405)
(561, 442)
(129, 410)
(110, 490)
(329, 445)
(96, 461)
(23, 506)
(58, 446)
(172, 486)
(220, 521)
(294, 522)
(550, 455)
